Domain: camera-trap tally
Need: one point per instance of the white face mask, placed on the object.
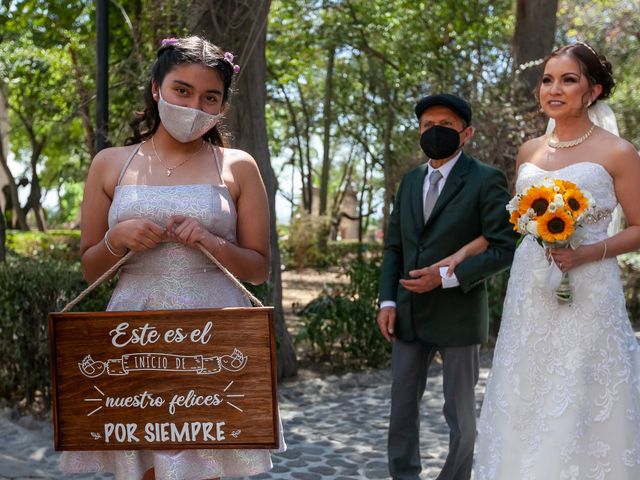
(183, 123)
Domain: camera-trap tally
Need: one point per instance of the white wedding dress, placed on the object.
(563, 398)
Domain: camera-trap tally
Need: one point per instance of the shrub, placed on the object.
(496, 291)
(344, 251)
(339, 326)
(30, 288)
(630, 270)
(303, 245)
(61, 244)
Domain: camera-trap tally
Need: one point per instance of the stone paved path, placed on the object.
(335, 428)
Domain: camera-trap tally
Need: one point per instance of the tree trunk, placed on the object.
(306, 167)
(326, 144)
(3, 237)
(389, 166)
(326, 141)
(4, 179)
(83, 108)
(240, 26)
(34, 202)
(533, 40)
(298, 150)
(4, 146)
(18, 219)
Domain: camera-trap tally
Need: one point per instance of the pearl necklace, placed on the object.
(568, 143)
(171, 169)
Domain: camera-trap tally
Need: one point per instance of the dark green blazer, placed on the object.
(471, 203)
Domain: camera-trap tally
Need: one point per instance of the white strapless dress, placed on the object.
(563, 398)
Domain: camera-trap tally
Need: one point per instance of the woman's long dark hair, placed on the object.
(174, 52)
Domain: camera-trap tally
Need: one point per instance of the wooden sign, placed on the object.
(170, 379)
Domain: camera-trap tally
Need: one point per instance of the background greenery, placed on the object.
(342, 77)
(40, 275)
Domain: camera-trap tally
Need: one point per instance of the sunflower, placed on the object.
(576, 201)
(537, 198)
(556, 226)
(564, 185)
(515, 216)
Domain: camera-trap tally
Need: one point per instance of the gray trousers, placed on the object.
(409, 365)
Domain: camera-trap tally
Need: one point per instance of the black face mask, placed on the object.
(440, 142)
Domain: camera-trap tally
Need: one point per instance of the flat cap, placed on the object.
(457, 104)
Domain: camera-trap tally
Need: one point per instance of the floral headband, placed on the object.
(228, 56)
(539, 61)
(168, 41)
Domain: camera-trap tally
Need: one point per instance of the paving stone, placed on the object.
(306, 476)
(339, 462)
(322, 470)
(290, 454)
(279, 469)
(296, 464)
(335, 428)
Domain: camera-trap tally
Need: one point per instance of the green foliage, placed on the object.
(68, 207)
(305, 245)
(56, 244)
(47, 70)
(38, 81)
(387, 56)
(344, 251)
(339, 326)
(302, 246)
(630, 269)
(496, 290)
(30, 289)
(612, 29)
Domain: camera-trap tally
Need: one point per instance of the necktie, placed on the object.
(432, 194)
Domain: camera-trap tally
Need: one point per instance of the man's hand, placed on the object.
(386, 321)
(423, 280)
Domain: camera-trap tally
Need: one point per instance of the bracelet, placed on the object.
(604, 254)
(219, 243)
(112, 251)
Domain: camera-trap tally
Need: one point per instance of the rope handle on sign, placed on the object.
(123, 260)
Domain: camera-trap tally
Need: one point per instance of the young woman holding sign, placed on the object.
(176, 186)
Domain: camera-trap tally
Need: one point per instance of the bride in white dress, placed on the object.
(563, 398)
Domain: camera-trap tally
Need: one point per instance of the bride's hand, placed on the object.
(452, 261)
(474, 247)
(567, 259)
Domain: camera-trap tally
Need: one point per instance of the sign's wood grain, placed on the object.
(170, 379)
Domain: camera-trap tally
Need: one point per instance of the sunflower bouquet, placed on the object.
(552, 212)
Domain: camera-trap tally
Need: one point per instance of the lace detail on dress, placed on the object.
(563, 397)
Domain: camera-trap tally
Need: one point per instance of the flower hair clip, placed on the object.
(168, 41)
(533, 63)
(228, 56)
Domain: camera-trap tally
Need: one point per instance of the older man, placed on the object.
(441, 206)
